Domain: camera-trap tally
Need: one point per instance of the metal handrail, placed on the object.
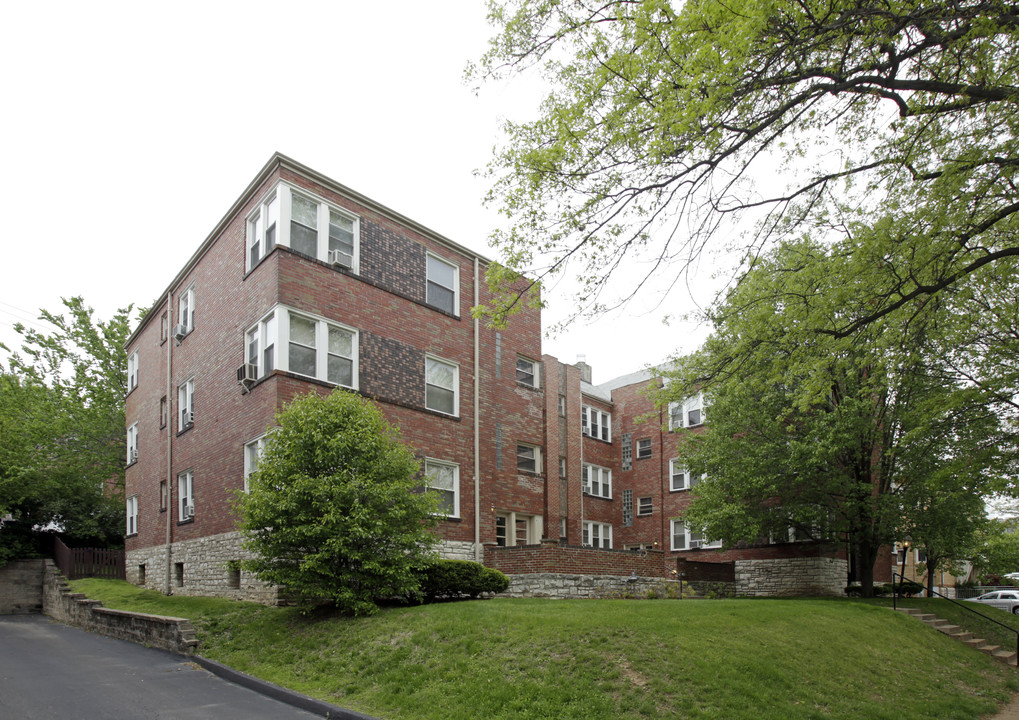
(930, 591)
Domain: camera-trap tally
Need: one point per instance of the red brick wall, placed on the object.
(552, 558)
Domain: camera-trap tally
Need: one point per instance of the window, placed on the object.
(260, 342)
(689, 413)
(626, 451)
(643, 448)
(132, 515)
(683, 539)
(921, 556)
(644, 506)
(527, 372)
(598, 535)
(186, 405)
(514, 528)
(596, 423)
(164, 328)
(528, 458)
(627, 508)
(441, 386)
(562, 406)
(441, 285)
(162, 495)
(186, 309)
(132, 444)
(185, 498)
(681, 479)
(305, 224)
(314, 347)
(132, 371)
(162, 412)
(444, 478)
(597, 480)
(562, 467)
(252, 452)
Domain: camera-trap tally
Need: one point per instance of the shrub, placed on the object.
(454, 579)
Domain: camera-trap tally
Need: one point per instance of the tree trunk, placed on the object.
(866, 556)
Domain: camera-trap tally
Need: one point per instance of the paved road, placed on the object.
(52, 671)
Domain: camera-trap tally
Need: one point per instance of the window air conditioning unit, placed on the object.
(343, 259)
(188, 416)
(189, 511)
(695, 544)
(134, 454)
(247, 374)
(179, 331)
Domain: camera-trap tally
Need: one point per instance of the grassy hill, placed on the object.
(600, 659)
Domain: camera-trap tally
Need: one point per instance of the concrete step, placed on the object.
(964, 636)
(1005, 656)
(989, 649)
(938, 623)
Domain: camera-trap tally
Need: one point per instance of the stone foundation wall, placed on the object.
(456, 550)
(204, 566)
(21, 587)
(563, 585)
(168, 633)
(808, 576)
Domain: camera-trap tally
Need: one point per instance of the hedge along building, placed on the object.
(306, 285)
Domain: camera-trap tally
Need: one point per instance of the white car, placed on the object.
(1004, 599)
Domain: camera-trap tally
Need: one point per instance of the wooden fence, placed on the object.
(77, 563)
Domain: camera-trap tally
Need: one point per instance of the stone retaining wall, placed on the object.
(168, 633)
(21, 587)
(564, 585)
(786, 577)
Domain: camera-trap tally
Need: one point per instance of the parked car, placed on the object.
(1003, 599)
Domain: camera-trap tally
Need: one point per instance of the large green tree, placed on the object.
(335, 510)
(891, 123)
(855, 438)
(62, 443)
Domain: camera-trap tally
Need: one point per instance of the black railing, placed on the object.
(932, 591)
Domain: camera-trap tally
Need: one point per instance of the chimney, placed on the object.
(585, 369)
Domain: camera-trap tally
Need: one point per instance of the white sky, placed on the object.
(130, 129)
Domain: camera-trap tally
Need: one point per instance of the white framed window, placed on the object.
(185, 496)
(527, 371)
(680, 477)
(132, 371)
(442, 386)
(132, 444)
(444, 479)
(262, 229)
(562, 406)
(442, 284)
(562, 467)
(260, 346)
(513, 528)
(597, 534)
(689, 413)
(186, 309)
(528, 458)
(596, 423)
(132, 515)
(300, 220)
(684, 539)
(645, 506)
(597, 480)
(643, 448)
(252, 452)
(186, 405)
(312, 346)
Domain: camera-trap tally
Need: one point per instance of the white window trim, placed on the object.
(535, 372)
(605, 478)
(186, 404)
(650, 506)
(588, 415)
(185, 480)
(673, 524)
(282, 345)
(132, 371)
(694, 402)
(605, 533)
(456, 384)
(132, 443)
(251, 465)
(688, 480)
(537, 457)
(456, 282)
(651, 449)
(433, 462)
(131, 527)
(186, 317)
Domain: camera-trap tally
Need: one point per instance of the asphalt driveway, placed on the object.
(53, 671)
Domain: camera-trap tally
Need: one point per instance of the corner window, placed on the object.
(186, 311)
(528, 458)
(252, 452)
(132, 516)
(597, 480)
(132, 444)
(689, 413)
(444, 479)
(598, 535)
(596, 423)
(186, 405)
(644, 506)
(684, 539)
(262, 228)
(441, 285)
(643, 448)
(185, 497)
(442, 381)
(312, 346)
(132, 371)
(527, 372)
(680, 477)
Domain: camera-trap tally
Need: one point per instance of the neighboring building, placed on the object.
(306, 285)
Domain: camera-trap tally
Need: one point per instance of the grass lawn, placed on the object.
(599, 659)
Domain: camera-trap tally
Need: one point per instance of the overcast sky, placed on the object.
(130, 129)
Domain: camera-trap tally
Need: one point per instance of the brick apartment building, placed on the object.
(306, 285)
